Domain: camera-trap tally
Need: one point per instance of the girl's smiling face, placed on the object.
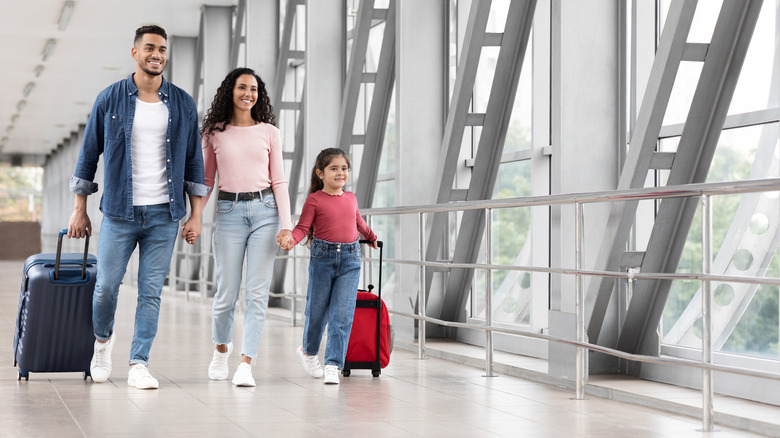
(335, 175)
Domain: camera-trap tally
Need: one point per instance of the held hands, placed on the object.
(190, 231)
(285, 240)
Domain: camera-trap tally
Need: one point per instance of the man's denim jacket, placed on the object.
(108, 132)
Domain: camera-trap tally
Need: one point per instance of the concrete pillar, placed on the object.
(584, 145)
(420, 108)
(262, 40)
(325, 72)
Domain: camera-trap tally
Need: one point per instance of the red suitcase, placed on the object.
(370, 341)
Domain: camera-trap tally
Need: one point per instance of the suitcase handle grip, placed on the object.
(378, 242)
(59, 254)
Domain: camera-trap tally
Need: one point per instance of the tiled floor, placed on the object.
(412, 398)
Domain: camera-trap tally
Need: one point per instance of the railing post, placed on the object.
(706, 309)
(294, 304)
(489, 293)
(187, 271)
(173, 278)
(581, 359)
(421, 292)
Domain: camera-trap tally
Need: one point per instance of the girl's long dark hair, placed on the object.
(221, 111)
(323, 159)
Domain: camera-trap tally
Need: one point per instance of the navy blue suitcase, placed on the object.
(54, 323)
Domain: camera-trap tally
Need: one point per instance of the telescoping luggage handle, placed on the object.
(379, 288)
(59, 254)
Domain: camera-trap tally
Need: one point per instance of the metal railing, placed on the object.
(705, 191)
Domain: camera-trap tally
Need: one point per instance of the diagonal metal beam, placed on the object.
(355, 70)
(377, 118)
(643, 144)
(491, 146)
(453, 135)
(704, 124)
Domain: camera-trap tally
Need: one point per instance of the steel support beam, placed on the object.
(704, 124)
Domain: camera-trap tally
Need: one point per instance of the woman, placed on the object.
(242, 145)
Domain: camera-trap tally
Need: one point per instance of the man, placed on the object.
(147, 130)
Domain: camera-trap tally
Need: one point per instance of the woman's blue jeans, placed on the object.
(244, 227)
(155, 234)
(334, 273)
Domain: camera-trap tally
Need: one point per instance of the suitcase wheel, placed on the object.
(375, 373)
(346, 373)
(23, 375)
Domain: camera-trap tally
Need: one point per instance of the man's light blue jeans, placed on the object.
(334, 273)
(244, 227)
(155, 234)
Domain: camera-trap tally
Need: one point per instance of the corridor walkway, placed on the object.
(412, 398)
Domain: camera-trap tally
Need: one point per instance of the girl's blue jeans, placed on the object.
(155, 233)
(334, 273)
(244, 228)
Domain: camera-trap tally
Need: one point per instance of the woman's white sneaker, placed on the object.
(331, 374)
(218, 368)
(243, 376)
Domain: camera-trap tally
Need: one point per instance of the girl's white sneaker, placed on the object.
(331, 374)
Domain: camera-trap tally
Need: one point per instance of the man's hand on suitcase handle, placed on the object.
(79, 224)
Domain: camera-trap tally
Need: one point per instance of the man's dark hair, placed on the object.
(152, 28)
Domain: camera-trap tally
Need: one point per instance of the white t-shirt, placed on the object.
(150, 125)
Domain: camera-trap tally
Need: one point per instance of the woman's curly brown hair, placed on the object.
(221, 112)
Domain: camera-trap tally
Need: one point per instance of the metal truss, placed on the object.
(286, 57)
(753, 236)
(382, 79)
(494, 122)
(722, 61)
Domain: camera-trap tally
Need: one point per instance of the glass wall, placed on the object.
(745, 228)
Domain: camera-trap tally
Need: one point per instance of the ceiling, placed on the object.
(92, 52)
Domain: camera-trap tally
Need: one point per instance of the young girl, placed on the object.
(331, 220)
(242, 146)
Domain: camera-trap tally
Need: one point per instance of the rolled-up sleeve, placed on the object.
(193, 170)
(82, 187)
(82, 181)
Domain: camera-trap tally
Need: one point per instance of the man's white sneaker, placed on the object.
(140, 378)
(243, 376)
(310, 364)
(218, 368)
(100, 366)
(331, 374)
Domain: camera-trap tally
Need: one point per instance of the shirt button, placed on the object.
(168, 140)
(169, 180)
(171, 199)
(168, 160)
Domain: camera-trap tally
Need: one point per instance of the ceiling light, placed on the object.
(9, 129)
(20, 105)
(49, 48)
(28, 88)
(38, 70)
(14, 118)
(67, 11)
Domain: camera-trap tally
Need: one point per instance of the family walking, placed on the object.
(155, 159)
